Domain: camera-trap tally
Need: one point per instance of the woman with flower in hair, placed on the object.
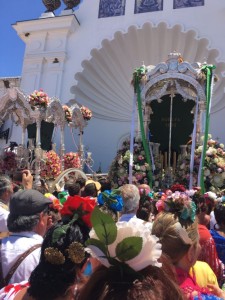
(59, 272)
(131, 263)
(177, 229)
(111, 202)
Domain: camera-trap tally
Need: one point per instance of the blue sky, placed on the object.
(11, 46)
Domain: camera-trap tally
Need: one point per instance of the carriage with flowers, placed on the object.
(39, 115)
(172, 142)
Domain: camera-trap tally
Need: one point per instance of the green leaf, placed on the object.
(104, 226)
(58, 232)
(96, 243)
(129, 247)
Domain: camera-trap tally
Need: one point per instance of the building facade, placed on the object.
(88, 56)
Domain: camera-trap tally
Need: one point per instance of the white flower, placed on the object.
(206, 172)
(199, 149)
(221, 145)
(150, 252)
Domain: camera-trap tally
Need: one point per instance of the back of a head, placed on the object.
(219, 212)
(176, 236)
(105, 184)
(90, 190)
(130, 195)
(74, 189)
(81, 181)
(62, 255)
(25, 207)
(5, 184)
(133, 275)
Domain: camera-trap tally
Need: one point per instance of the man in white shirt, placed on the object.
(27, 222)
(131, 197)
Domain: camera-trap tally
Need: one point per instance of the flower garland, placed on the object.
(72, 160)
(213, 169)
(68, 113)
(86, 113)
(38, 99)
(52, 166)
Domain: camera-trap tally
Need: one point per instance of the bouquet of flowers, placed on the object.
(38, 99)
(214, 166)
(52, 166)
(119, 169)
(8, 162)
(86, 112)
(72, 160)
(68, 113)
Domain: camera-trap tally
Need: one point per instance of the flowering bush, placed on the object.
(68, 113)
(52, 166)
(214, 166)
(38, 99)
(72, 160)
(86, 112)
(8, 162)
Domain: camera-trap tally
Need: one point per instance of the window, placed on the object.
(187, 3)
(142, 6)
(111, 8)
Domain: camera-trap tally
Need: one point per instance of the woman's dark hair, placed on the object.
(105, 184)
(219, 212)
(154, 283)
(17, 223)
(73, 189)
(49, 281)
(90, 190)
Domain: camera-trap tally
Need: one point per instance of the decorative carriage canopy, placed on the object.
(172, 90)
(176, 98)
(39, 122)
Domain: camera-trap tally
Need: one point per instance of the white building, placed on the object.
(90, 55)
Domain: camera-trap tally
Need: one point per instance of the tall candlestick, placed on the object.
(165, 159)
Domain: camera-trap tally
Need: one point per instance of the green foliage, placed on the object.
(129, 248)
(104, 226)
(98, 244)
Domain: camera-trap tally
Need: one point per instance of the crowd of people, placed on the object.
(90, 241)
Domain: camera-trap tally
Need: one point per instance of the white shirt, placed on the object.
(3, 219)
(12, 247)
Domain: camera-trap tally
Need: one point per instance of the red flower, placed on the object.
(82, 205)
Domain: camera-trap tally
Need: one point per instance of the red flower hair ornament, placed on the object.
(82, 206)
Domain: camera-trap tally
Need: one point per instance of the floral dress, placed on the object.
(220, 244)
(9, 292)
(188, 285)
(209, 252)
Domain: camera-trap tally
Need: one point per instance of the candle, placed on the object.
(174, 160)
(165, 160)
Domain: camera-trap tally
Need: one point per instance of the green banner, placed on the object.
(207, 69)
(137, 76)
